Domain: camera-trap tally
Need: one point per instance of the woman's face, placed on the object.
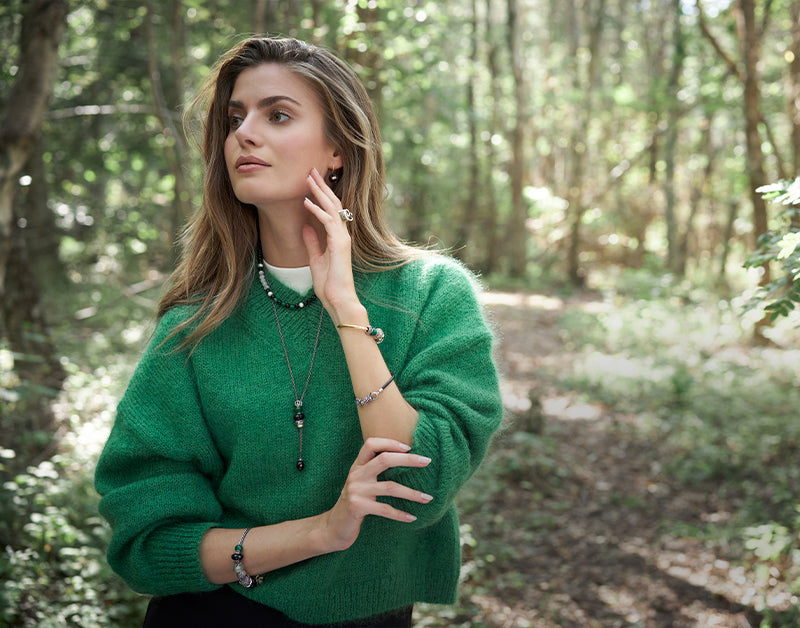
(275, 137)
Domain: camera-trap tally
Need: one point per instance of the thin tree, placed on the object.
(596, 14)
(516, 234)
(23, 324)
(750, 35)
(20, 126)
(674, 263)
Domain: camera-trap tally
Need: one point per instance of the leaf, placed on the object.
(784, 192)
(788, 243)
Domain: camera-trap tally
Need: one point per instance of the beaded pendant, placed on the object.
(299, 421)
(297, 415)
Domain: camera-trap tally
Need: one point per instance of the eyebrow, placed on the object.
(264, 103)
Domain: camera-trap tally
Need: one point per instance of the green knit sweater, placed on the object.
(207, 439)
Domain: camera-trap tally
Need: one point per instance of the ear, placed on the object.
(336, 161)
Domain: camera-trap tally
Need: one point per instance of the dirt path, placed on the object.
(602, 546)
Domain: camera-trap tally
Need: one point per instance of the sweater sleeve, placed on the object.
(157, 473)
(451, 380)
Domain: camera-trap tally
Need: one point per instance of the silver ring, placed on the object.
(346, 215)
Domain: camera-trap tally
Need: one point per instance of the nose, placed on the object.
(246, 133)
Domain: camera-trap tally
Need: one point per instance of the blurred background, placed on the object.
(619, 172)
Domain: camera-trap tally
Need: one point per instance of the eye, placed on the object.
(278, 116)
(234, 121)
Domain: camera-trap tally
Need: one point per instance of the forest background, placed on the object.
(617, 153)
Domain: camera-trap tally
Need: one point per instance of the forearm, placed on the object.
(265, 548)
(389, 415)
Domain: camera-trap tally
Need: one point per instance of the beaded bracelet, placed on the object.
(373, 395)
(375, 332)
(245, 579)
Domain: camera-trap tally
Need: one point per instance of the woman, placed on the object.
(273, 438)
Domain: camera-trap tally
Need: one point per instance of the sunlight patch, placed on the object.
(563, 407)
(515, 299)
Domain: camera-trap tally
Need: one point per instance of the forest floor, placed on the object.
(593, 533)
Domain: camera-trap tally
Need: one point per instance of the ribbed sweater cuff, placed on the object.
(179, 544)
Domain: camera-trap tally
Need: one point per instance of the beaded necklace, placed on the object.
(262, 276)
(298, 415)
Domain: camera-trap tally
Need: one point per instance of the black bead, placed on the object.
(300, 464)
(299, 416)
(237, 556)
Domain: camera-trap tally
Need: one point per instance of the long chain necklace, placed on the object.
(299, 417)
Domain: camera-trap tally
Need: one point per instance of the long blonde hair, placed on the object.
(219, 242)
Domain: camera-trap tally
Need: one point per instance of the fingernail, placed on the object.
(423, 460)
(404, 447)
(410, 517)
(426, 497)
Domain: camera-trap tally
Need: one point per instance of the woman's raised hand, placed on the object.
(362, 488)
(331, 264)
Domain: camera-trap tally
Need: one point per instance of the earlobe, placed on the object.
(336, 163)
(335, 168)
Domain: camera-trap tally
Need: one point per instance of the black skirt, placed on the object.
(224, 607)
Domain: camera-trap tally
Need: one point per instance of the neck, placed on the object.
(281, 234)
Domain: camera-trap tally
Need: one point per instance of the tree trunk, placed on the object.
(673, 258)
(578, 144)
(750, 35)
(698, 193)
(516, 234)
(727, 236)
(166, 103)
(27, 419)
(469, 213)
(793, 98)
(491, 259)
(750, 43)
(260, 16)
(38, 221)
(370, 59)
(42, 27)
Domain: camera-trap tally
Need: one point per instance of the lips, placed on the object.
(250, 162)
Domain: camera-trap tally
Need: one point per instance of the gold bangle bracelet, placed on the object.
(375, 332)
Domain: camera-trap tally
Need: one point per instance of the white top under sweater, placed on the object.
(298, 279)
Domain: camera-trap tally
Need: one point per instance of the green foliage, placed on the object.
(54, 572)
(776, 549)
(782, 245)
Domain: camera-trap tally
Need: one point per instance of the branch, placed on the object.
(729, 61)
(781, 164)
(765, 19)
(97, 110)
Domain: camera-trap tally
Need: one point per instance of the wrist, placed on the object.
(326, 536)
(351, 314)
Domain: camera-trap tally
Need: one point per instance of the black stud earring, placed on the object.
(334, 176)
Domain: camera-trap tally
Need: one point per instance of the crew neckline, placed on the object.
(298, 279)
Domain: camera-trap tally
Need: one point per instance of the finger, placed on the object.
(322, 192)
(390, 460)
(320, 214)
(375, 445)
(394, 489)
(390, 512)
